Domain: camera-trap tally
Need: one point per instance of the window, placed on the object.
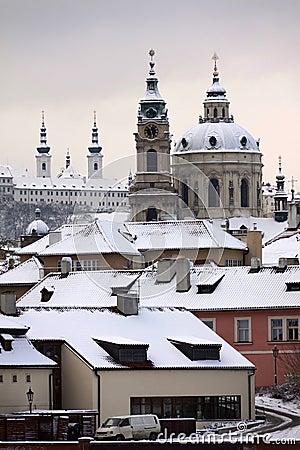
(28, 379)
(95, 166)
(284, 328)
(242, 332)
(201, 408)
(210, 323)
(213, 193)
(1, 379)
(233, 262)
(151, 160)
(292, 329)
(244, 193)
(43, 166)
(14, 378)
(276, 330)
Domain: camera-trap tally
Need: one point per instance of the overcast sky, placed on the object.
(70, 57)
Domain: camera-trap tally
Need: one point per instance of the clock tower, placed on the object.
(152, 196)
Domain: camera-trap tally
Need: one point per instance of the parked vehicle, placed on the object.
(136, 427)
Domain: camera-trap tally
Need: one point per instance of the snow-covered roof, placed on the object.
(79, 327)
(5, 172)
(23, 354)
(29, 272)
(237, 289)
(80, 289)
(41, 244)
(285, 245)
(187, 234)
(70, 172)
(267, 225)
(98, 237)
(68, 182)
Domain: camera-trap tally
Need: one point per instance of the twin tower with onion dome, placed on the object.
(215, 170)
(43, 156)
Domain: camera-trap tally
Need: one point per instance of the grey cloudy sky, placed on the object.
(70, 57)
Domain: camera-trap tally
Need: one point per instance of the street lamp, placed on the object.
(30, 395)
(275, 354)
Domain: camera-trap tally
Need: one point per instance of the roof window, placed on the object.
(209, 285)
(197, 349)
(124, 350)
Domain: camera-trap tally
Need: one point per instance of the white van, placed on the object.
(144, 426)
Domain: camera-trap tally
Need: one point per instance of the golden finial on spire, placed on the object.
(43, 116)
(152, 63)
(215, 59)
(151, 53)
(95, 116)
(279, 163)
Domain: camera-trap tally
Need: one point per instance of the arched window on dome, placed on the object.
(43, 166)
(151, 214)
(213, 193)
(244, 193)
(151, 160)
(95, 166)
(215, 113)
(185, 194)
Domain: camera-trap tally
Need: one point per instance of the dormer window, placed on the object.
(292, 286)
(124, 350)
(197, 349)
(46, 294)
(209, 285)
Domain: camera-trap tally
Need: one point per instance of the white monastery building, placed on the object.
(93, 192)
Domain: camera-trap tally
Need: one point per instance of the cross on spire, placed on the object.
(215, 59)
(152, 63)
(293, 181)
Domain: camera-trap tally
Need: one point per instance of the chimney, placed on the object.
(54, 237)
(254, 244)
(128, 303)
(166, 269)
(183, 281)
(66, 266)
(293, 215)
(8, 304)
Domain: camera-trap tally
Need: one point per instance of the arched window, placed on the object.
(207, 111)
(213, 193)
(244, 193)
(95, 166)
(223, 112)
(43, 166)
(151, 160)
(215, 112)
(185, 194)
(151, 214)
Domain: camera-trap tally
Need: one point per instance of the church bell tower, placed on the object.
(152, 196)
(43, 159)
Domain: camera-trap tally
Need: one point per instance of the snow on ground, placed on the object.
(279, 405)
(290, 407)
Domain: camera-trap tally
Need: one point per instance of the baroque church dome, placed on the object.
(217, 168)
(216, 131)
(37, 227)
(216, 136)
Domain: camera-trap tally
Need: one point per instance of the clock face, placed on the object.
(151, 131)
